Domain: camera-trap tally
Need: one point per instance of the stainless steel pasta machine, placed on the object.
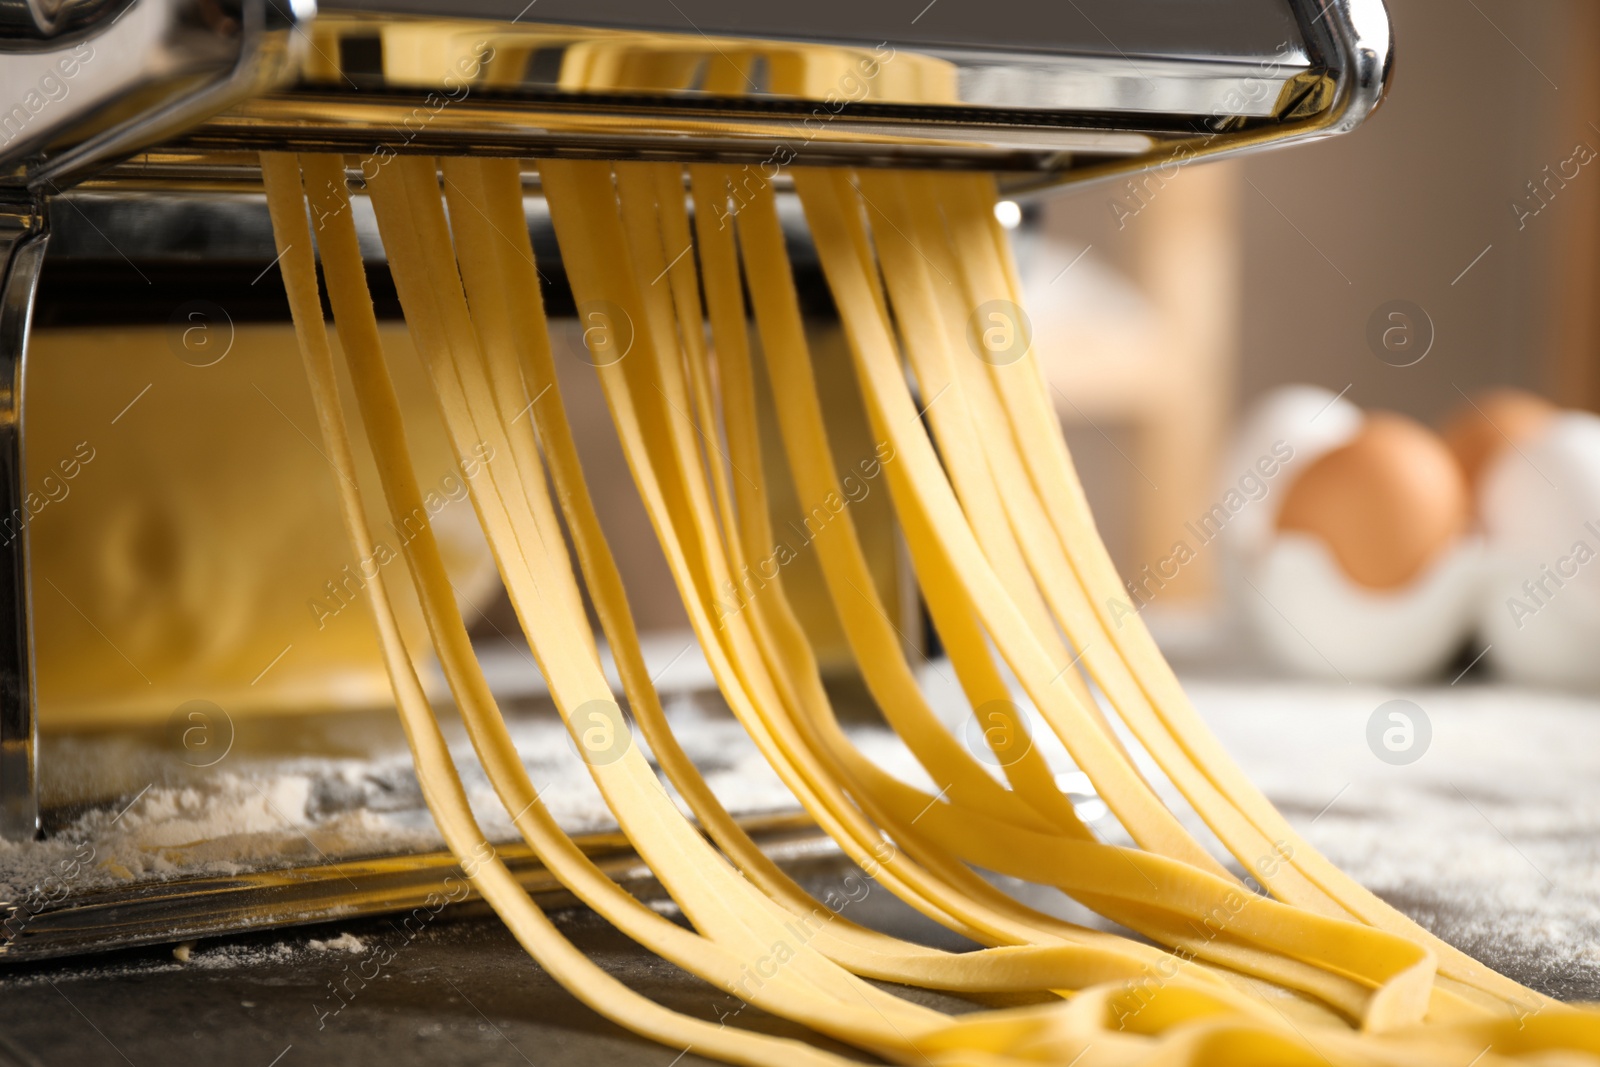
(125, 118)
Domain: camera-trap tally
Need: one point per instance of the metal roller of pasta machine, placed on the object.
(128, 184)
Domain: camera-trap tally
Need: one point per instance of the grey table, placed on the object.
(1489, 837)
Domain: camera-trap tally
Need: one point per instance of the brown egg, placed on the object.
(1492, 421)
(1387, 504)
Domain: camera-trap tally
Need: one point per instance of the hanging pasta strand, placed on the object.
(1158, 711)
(498, 186)
(436, 772)
(1314, 971)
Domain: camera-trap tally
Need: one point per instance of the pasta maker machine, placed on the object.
(128, 137)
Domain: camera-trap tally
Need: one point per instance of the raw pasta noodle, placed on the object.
(1314, 970)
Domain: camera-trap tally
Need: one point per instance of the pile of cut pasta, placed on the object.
(1276, 958)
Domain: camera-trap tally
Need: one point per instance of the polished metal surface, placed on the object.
(29, 18)
(464, 993)
(65, 107)
(1062, 109)
(22, 243)
(315, 119)
(153, 913)
(173, 220)
(197, 86)
(38, 20)
(1104, 56)
(1357, 32)
(125, 77)
(1047, 90)
(1225, 29)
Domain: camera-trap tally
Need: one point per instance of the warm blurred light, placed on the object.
(1009, 213)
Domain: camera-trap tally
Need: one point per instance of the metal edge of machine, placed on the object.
(115, 78)
(1324, 83)
(1355, 39)
(182, 81)
(59, 920)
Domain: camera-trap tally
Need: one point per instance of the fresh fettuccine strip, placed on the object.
(1008, 563)
(1297, 872)
(558, 188)
(436, 773)
(913, 807)
(584, 209)
(497, 190)
(839, 1019)
(727, 908)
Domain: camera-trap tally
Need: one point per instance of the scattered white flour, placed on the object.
(1492, 838)
(225, 956)
(345, 942)
(232, 823)
(258, 814)
(140, 816)
(206, 956)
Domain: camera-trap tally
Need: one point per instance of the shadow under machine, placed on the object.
(165, 519)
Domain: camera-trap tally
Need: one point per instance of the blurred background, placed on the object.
(1329, 406)
(1333, 408)
(1323, 401)
(1465, 206)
